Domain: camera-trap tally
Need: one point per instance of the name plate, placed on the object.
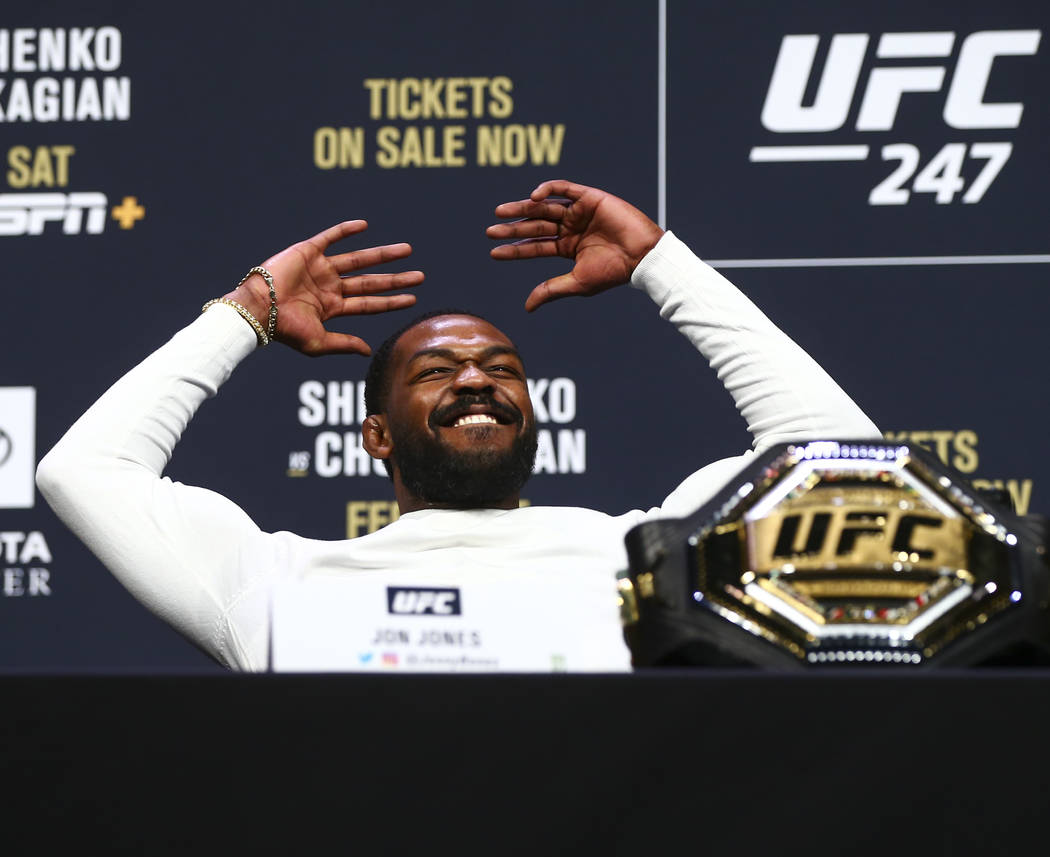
(378, 622)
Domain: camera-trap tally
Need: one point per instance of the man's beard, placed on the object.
(463, 479)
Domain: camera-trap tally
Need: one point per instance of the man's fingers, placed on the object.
(338, 232)
(371, 304)
(548, 209)
(338, 343)
(370, 284)
(512, 209)
(560, 287)
(522, 229)
(345, 263)
(530, 248)
(559, 187)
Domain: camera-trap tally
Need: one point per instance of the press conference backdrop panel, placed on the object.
(874, 177)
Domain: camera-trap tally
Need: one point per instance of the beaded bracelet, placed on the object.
(247, 316)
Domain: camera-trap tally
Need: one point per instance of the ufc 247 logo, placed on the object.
(964, 105)
(410, 600)
(878, 99)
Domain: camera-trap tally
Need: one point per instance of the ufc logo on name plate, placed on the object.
(963, 106)
(411, 600)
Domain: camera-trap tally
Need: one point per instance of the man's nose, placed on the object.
(471, 377)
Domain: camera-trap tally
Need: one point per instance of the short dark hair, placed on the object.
(377, 381)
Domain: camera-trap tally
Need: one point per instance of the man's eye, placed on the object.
(434, 370)
(503, 370)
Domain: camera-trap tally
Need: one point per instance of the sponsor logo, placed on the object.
(17, 447)
(29, 577)
(958, 169)
(6, 447)
(413, 601)
(78, 213)
(27, 213)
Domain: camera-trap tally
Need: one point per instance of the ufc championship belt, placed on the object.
(840, 553)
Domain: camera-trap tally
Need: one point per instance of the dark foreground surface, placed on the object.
(696, 762)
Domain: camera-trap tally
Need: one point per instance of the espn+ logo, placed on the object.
(415, 601)
(928, 69)
(27, 213)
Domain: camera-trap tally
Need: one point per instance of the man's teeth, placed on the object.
(474, 419)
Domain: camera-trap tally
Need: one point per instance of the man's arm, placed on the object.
(782, 393)
(187, 553)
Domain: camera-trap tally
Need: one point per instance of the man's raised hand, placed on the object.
(605, 236)
(313, 288)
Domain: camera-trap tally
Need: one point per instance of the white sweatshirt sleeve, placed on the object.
(176, 548)
(778, 388)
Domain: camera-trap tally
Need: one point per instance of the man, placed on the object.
(449, 412)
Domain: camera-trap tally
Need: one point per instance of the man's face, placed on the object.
(459, 413)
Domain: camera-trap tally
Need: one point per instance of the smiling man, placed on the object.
(448, 410)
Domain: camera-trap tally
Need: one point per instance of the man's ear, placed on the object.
(376, 438)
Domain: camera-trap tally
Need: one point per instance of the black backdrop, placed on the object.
(224, 125)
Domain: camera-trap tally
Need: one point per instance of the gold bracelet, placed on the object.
(271, 320)
(247, 316)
